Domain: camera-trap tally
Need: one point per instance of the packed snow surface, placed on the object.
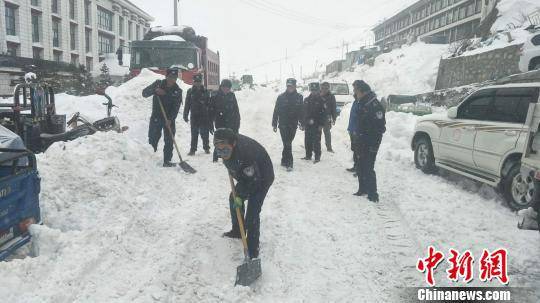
(120, 228)
(514, 13)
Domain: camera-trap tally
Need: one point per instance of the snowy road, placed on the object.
(119, 228)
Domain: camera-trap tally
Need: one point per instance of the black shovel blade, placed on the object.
(248, 272)
(187, 168)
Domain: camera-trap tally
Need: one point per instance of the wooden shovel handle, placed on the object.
(169, 128)
(240, 217)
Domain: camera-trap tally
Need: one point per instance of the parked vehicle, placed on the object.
(406, 104)
(342, 93)
(19, 193)
(530, 53)
(483, 138)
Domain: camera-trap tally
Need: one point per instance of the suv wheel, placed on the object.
(423, 156)
(518, 191)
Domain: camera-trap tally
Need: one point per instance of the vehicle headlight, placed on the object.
(535, 144)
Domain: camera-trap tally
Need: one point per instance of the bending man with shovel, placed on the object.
(250, 165)
(166, 104)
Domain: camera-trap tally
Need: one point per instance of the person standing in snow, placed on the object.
(353, 129)
(313, 122)
(170, 95)
(224, 109)
(120, 54)
(250, 165)
(287, 115)
(198, 104)
(371, 123)
(331, 112)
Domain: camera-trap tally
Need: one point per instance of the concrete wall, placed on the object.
(478, 68)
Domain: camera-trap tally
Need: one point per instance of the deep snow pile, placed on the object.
(513, 13)
(115, 69)
(120, 228)
(407, 70)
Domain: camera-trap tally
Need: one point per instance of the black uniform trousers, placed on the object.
(365, 167)
(312, 141)
(252, 219)
(328, 134)
(157, 126)
(202, 130)
(287, 136)
(354, 148)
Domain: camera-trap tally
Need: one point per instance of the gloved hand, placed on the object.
(275, 129)
(186, 119)
(301, 128)
(238, 202)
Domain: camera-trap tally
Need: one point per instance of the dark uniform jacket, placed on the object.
(314, 111)
(172, 100)
(251, 166)
(198, 104)
(371, 120)
(224, 111)
(288, 110)
(330, 106)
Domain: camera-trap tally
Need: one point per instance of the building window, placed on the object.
(121, 26)
(74, 60)
(87, 12)
(105, 44)
(56, 33)
(478, 8)
(12, 49)
(138, 32)
(36, 26)
(130, 31)
(88, 40)
(73, 36)
(89, 64)
(105, 19)
(34, 2)
(55, 6)
(57, 56)
(36, 53)
(10, 21)
(72, 10)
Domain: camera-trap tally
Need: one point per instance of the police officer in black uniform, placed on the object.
(313, 122)
(224, 109)
(198, 104)
(331, 114)
(249, 164)
(370, 129)
(170, 94)
(287, 115)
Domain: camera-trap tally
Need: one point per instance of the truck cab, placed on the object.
(19, 193)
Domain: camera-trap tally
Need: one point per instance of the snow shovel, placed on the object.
(183, 164)
(250, 270)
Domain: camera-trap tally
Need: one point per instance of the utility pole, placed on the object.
(175, 3)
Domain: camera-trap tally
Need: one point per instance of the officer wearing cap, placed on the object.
(250, 165)
(287, 115)
(198, 105)
(224, 109)
(331, 114)
(170, 95)
(313, 122)
(371, 125)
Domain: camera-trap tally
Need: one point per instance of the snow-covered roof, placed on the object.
(169, 38)
(169, 29)
(514, 85)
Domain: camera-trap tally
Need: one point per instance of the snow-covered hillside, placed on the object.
(120, 228)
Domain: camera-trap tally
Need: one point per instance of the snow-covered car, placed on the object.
(530, 53)
(342, 93)
(483, 138)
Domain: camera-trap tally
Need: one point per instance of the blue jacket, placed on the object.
(353, 118)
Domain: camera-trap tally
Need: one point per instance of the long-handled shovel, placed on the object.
(250, 270)
(183, 164)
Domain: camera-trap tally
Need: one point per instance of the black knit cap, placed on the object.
(197, 78)
(226, 83)
(172, 72)
(314, 86)
(224, 135)
(362, 86)
(325, 84)
(291, 82)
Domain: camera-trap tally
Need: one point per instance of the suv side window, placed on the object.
(536, 40)
(511, 105)
(477, 106)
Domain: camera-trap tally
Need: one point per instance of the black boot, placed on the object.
(351, 170)
(168, 164)
(254, 254)
(373, 198)
(360, 193)
(317, 160)
(191, 153)
(233, 234)
(307, 158)
(207, 151)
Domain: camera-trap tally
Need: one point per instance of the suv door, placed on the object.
(500, 131)
(457, 138)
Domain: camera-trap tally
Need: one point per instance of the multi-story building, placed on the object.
(79, 32)
(442, 20)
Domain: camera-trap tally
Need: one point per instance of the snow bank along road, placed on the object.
(120, 228)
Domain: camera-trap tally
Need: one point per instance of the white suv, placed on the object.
(530, 53)
(483, 138)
